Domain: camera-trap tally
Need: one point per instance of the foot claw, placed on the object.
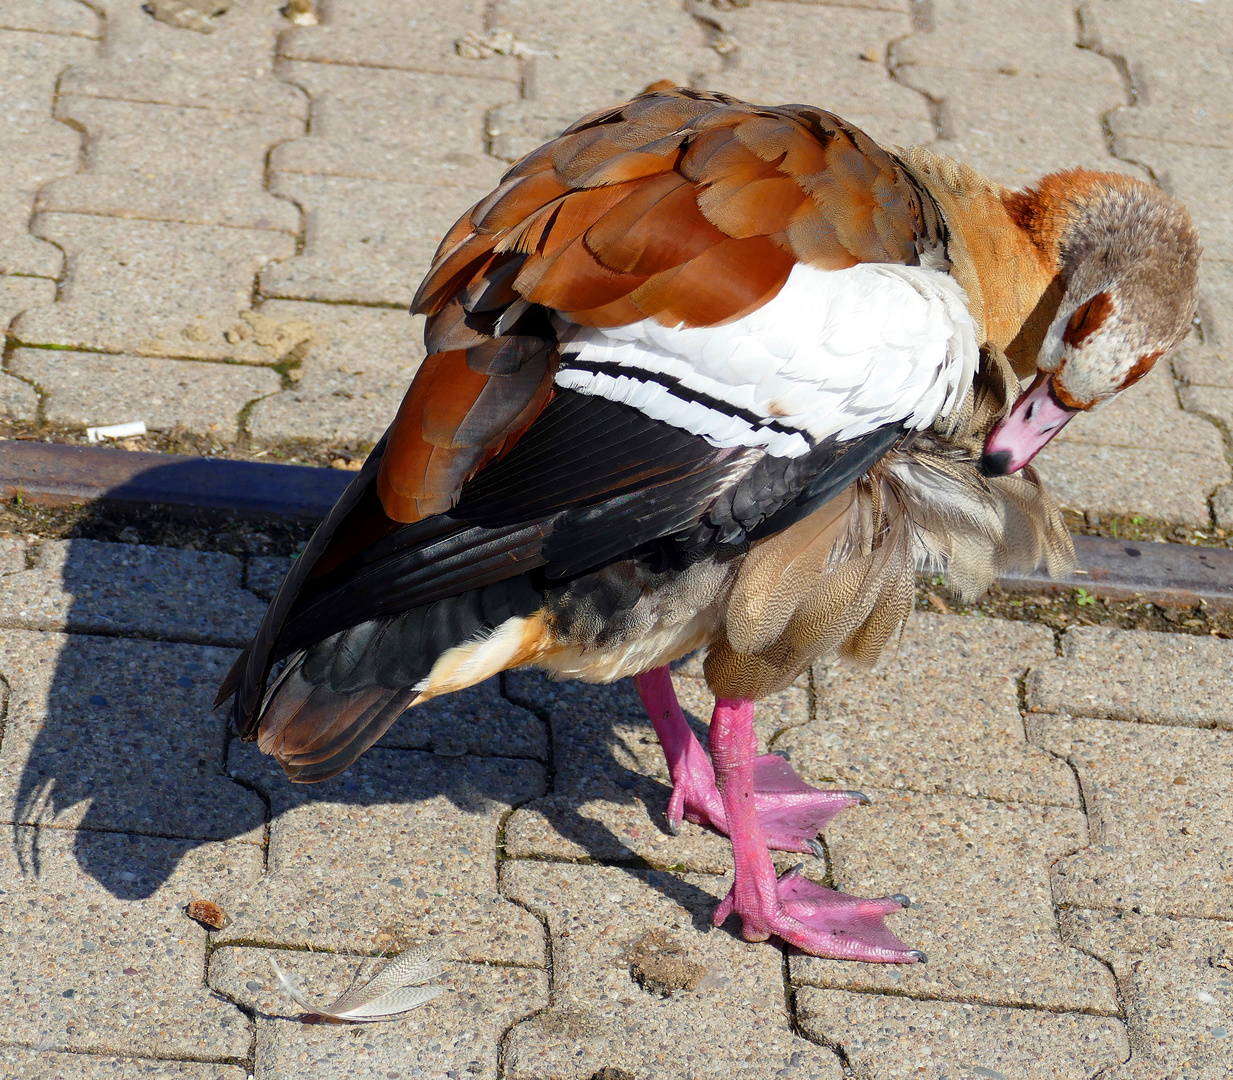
(918, 956)
(674, 827)
(819, 852)
(859, 796)
(903, 900)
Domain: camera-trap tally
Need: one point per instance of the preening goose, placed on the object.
(706, 374)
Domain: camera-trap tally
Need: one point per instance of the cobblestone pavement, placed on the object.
(219, 232)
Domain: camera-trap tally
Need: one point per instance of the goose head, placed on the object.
(1128, 257)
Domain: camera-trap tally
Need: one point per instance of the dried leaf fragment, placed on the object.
(396, 988)
(208, 913)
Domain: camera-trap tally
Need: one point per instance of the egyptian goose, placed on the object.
(705, 374)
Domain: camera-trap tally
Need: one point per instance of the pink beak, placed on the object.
(1018, 437)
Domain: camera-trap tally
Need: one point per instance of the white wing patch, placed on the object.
(835, 353)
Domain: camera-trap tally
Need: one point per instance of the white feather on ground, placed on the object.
(396, 988)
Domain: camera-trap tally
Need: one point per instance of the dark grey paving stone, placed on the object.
(118, 734)
(611, 782)
(86, 586)
(400, 845)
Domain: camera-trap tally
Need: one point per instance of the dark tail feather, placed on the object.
(315, 733)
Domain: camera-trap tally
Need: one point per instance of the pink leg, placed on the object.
(814, 919)
(792, 813)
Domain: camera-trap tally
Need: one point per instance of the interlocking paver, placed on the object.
(1162, 817)
(588, 55)
(1016, 96)
(152, 288)
(365, 241)
(118, 735)
(1157, 483)
(776, 59)
(401, 843)
(35, 148)
(456, 1034)
(88, 389)
(391, 34)
(1176, 979)
(17, 400)
(394, 125)
(1140, 454)
(50, 17)
(611, 784)
(982, 907)
(897, 1038)
(1137, 675)
(88, 586)
(22, 1064)
(352, 377)
(87, 969)
(230, 69)
(939, 713)
(206, 168)
(734, 1023)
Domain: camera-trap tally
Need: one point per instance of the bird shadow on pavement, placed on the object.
(122, 746)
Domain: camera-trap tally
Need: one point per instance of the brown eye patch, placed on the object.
(1142, 366)
(1087, 320)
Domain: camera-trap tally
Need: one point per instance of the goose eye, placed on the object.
(1087, 320)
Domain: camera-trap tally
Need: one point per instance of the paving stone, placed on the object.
(1161, 484)
(982, 907)
(1180, 67)
(207, 167)
(588, 55)
(230, 69)
(1186, 172)
(265, 574)
(611, 786)
(19, 293)
(459, 1032)
(1216, 301)
(352, 377)
(1176, 979)
(733, 1023)
(88, 586)
(1162, 836)
(12, 555)
(402, 843)
(115, 734)
(939, 713)
(35, 148)
(477, 720)
(50, 17)
(1202, 366)
(1017, 128)
(1137, 675)
(390, 34)
(365, 241)
(152, 288)
(89, 969)
(17, 400)
(21, 1064)
(889, 1038)
(1147, 414)
(1015, 37)
(88, 389)
(777, 60)
(394, 125)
